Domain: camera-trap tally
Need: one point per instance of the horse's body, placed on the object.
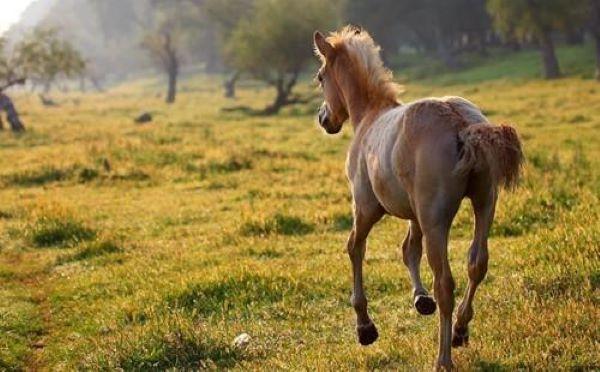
(416, 162)
(386, 148)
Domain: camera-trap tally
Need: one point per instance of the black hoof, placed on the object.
(460, 337)
(425, 305)
(367, 334)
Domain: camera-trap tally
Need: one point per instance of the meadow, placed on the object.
(153, 246)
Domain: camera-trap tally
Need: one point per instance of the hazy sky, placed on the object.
(10, 10)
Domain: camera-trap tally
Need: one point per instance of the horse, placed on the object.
(416, 162)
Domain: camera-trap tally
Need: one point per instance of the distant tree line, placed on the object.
(264, 38)
(447, 28)
(270, 39)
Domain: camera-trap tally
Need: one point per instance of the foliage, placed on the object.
(7, 66)
(226, 14)
(440, 28)
(526, 18)
(44, 57)
(162, 46)
(274, 44)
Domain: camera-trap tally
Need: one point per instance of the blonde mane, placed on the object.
(365, 54)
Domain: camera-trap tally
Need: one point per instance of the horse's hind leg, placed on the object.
(412, 250)
(365, 216)
(436, 244)
(483, 198)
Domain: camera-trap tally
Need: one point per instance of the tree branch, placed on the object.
(10, 83)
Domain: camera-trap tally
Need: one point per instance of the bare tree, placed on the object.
(162, 47)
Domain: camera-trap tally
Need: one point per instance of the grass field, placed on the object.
(138, 247)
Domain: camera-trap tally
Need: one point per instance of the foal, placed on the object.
(416, 162)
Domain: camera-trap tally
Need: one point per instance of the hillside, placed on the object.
(139, 247)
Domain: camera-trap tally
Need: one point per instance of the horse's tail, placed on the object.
(496, 149)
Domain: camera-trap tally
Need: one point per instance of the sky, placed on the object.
(10, 11)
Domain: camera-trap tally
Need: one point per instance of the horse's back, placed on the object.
(444, 114)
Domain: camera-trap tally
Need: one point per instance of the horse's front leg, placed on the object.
(364, 219)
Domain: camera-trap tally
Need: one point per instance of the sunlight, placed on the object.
(11, 11)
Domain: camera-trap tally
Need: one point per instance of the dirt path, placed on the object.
(31, 274)
(39, 289)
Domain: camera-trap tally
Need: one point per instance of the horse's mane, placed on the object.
(365, 54)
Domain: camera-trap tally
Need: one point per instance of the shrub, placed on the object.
(59, 231)
(279, 224)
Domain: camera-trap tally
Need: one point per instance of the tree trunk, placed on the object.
(82, 87)
(229, 85)
(444, 51)
(597, 42)
(172, 88)
(549, 60)
(283, 93)
(595, 31)
(280, 101)
(47, 87)
(11, 113)
(96, 84)
(574, 36)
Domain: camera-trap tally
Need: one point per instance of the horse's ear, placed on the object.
(322, 46)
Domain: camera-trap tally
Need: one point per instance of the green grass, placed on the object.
(153, 247)
(58, 231)
(497, 65)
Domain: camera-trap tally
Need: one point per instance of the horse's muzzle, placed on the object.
(325, 121)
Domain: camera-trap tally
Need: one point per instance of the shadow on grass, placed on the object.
(58, 231)
(342, 222)
(279, 224)
(91, 250)
(181, 352)
(271, 110)
(37, 177)
(47, 175)
(184, 348)
(492, 366)
(243, 295)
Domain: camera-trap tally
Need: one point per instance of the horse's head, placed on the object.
(333, 112)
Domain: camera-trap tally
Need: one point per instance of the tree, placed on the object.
(44, 57)
(176, 26)
(273, 43)
(537, 19)
(162, 46)
(226, 15)
(40, 56)
(10, 75)
(594, 22)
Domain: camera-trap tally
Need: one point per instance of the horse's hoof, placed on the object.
(460, 337)
(367, 334)
(425, 305)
